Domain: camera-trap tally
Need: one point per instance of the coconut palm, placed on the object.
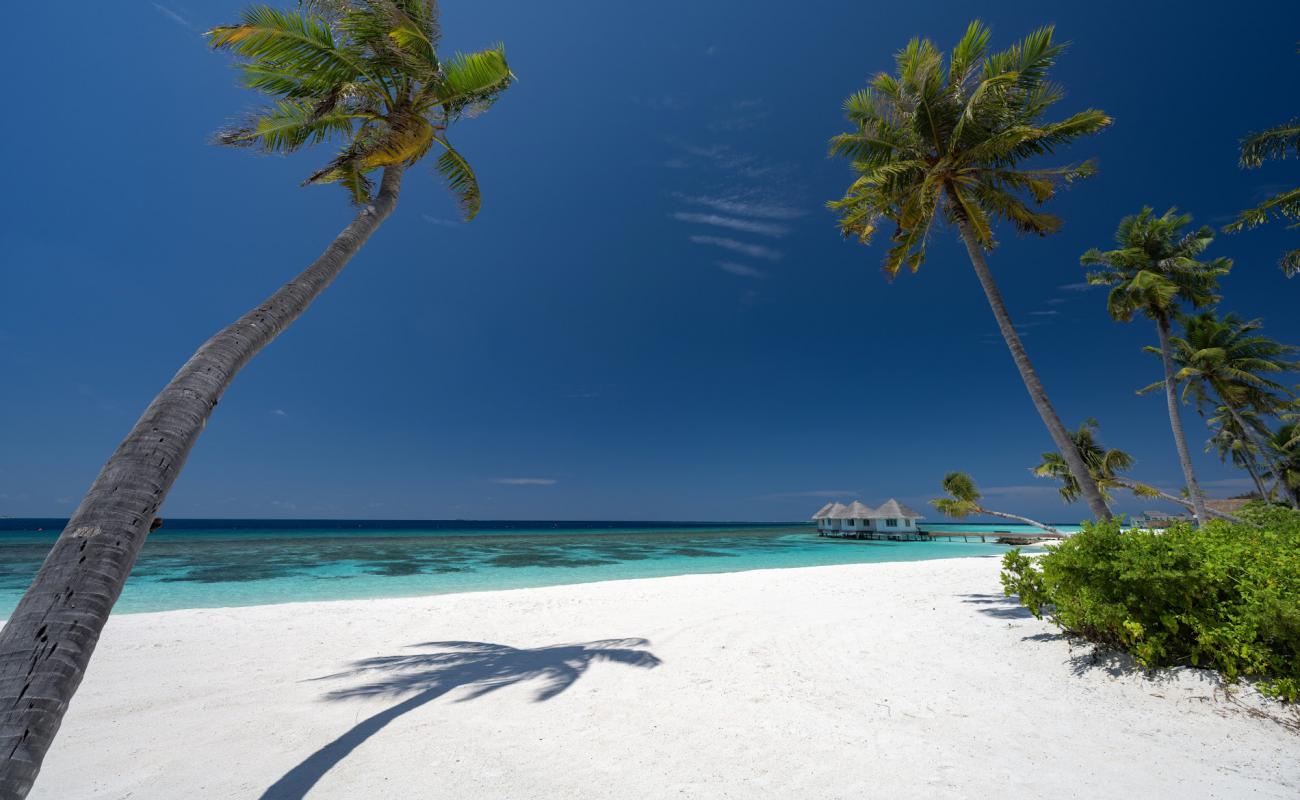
(1154, 271)
(364, 76)
(1236, 438)
(948, 141)
(963, 500)
(1224, 364)
(1106, 465)
(1285, 472)
(1275, 142)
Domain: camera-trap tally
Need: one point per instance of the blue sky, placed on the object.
(653, 317)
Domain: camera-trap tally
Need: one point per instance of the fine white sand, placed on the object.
(881, 680)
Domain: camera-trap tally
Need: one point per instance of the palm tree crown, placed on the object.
(1273, 143)
(1225, 360)
(1104, 464)
(934, 139)
(367, 76)
(1156, 267)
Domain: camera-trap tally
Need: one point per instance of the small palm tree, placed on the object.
(1106, 465)
(947, 141)
(963, 501)
(1236, 438)
(1285, 472)
(1275, 142)
(364, 75)
(1154, 271)
(1224, 364)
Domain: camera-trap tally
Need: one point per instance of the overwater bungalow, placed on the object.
(891, 520)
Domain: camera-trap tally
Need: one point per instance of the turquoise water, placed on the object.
(207, 563)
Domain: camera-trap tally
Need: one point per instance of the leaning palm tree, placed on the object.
(1106, 465)
(1224, 363)
(1236, 438)
(948, 141)
(1285, 472)
(1154, 271)
(963, 500)
(1275, 142)
(363, 75)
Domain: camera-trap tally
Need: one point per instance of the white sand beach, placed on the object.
(886, 680)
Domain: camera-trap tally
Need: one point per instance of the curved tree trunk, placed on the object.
(1087, 486)
(1176, 422)
(1146, 490)
(48, 641)
(1252, 437)
(1018, 518)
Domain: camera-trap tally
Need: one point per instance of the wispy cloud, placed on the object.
(751, 250)
(748, 226)
(174, 17)
(448, 223)
(1076, 287)
(1044, 313)
(525, 481)
(1056, 301)
(279, 412)
(584, 395)
(743, 270)
(743, 207)
(286, 505)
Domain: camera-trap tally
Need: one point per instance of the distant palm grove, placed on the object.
(958, 143)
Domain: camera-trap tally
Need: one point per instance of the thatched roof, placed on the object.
(857, 510)
(825, 511)
(1229, 506)
(838, 511)
(893, 508)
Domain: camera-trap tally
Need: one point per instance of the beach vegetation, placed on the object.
(1222, 596)
(946, 139)
(1155, 271)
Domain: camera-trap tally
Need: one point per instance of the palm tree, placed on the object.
(1223, 364)
(1235, 438)
(963, 500)
(364, 75)
(1155, 269)
(933, 141)
(1285, 472)
(1105, 464)
(1274, 142)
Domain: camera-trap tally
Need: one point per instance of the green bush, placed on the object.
(1224, 597)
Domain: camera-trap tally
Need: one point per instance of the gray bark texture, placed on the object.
(1142, 490)
(1060, 436)
(1176, 423)
(47, 643)
(1018, 518)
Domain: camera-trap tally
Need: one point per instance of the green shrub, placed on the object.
(1224, 597)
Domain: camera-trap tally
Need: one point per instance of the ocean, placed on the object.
(218, 563)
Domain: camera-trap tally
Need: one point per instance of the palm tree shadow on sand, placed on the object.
(480, 667)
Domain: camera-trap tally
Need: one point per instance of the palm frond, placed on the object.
(460, 178)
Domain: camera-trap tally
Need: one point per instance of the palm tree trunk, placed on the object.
(1018, 518)
(1252, 437)
(48, 641)
(1147, 490)
(1176, 422)
(1087, 486)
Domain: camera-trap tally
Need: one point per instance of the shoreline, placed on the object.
(899, 679)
